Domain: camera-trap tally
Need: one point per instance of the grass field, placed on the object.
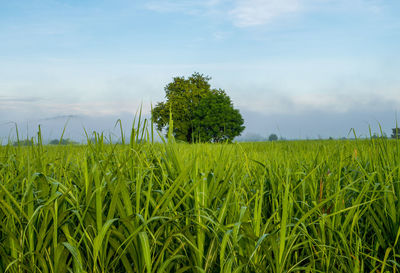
(290, 206)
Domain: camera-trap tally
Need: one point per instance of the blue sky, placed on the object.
(303, 68)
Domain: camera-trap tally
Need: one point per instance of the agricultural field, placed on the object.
(286, 206)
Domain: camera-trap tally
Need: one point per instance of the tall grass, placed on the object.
(304, 206)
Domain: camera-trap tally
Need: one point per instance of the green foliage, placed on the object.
(395, 133)
(62, 142)
(26, 142)
(199, 112)
(289, 206)
(216, 120)
(273, 137)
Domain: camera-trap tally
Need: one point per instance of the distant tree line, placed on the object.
(26, 142)
(29, 142)
(66, 141)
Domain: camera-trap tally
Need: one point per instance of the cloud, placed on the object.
(8, 100)
(183, 6)
(259, 12)
(242, 12)
(46, 110)
(168, 6)
(338, 102)
(60, 117)
(343, 102)
(250, 13)
(314, 123)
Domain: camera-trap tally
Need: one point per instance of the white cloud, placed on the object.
(271, 103)
(183, 6)
(243, 12)
(23, 109)
(248, 13)
(258, 12)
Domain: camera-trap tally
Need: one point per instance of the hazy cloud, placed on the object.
(259, 12)
(315, 124)
(183, 6)
(46, 110)
(248, 13)
(62, 117)
(243, 12)
(9, 100)
(271, 103)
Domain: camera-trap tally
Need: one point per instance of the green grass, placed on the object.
(301, 206)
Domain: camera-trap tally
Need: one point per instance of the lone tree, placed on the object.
(273, 137)
(199, 112)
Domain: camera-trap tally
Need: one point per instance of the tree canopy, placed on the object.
(62, 142)
(199, 112)
(273, 137)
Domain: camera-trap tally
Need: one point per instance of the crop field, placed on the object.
(286, 206)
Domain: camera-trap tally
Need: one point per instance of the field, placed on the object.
(286, 206)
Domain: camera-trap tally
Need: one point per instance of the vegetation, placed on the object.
(62, 142)
(251, 137)
(396, 133)
(26, 142)
(273, 137)
(301, 206)
(200, 114)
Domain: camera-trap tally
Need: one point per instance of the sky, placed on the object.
(297, 68)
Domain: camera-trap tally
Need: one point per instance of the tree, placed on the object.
(63, 142)
(26, 142)
(396, 133)
(216, 120)
(199, 113)
(376, 135)
(273, 137)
